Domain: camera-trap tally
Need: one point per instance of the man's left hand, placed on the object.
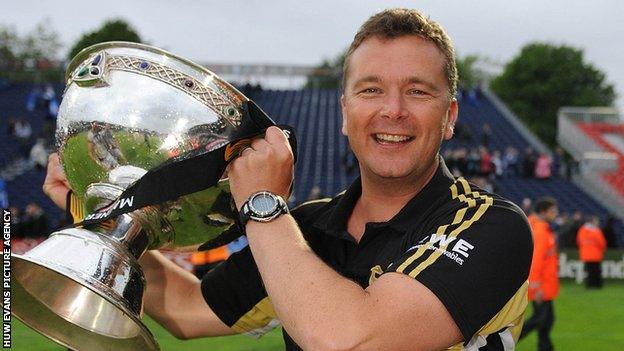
(266, 165)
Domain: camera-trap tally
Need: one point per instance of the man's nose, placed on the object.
(394, 106)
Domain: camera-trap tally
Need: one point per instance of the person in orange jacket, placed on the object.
(543, 276)
(592, 245)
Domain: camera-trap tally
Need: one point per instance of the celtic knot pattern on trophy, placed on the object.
(207, 96)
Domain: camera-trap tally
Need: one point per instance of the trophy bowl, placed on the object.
(127, 109)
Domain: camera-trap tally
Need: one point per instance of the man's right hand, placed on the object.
(55, 185)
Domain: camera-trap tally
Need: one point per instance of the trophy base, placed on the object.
(83, 308)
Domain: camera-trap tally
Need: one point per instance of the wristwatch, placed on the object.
(263, 206)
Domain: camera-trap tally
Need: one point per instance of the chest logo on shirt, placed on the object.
(375, 273)
(442, 242)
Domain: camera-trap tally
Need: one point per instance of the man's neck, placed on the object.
(382, 199)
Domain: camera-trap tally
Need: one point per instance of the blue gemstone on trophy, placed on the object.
(96, 60)
(144, 65)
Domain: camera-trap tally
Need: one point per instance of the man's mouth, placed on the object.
(392, 138)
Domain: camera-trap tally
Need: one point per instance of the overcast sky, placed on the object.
(299, 32)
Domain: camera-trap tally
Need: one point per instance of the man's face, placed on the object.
(395, 106)
(551, 214)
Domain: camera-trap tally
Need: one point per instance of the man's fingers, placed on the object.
(274, 135)
(246, 151)
(259, 143)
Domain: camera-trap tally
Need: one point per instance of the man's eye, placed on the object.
(417, 92)
(370, 91)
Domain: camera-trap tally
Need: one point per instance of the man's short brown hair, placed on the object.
(544, 204)
(395, 23)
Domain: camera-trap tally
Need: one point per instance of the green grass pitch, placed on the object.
(586, 320)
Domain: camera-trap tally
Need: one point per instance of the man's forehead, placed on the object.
(397, 51)
(414, 41)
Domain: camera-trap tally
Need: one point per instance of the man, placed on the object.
(408, 258)
(543, 278)
(592, 245)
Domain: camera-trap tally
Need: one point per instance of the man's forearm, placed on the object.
(173, 298)
(314, 303)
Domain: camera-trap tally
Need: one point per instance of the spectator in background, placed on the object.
(39, 154)
(567, 232)
(592, 245)
(543, 167)
(510, 161)
(543, 277)
(35, 221)
(473, 163)
(50, 107)
(559, 223)
(527, 206)
(497, 163)
(17, 230)
(486, 134)
(486, 168)
(11, 126)
(559, 164)
(528, 164)
(23, 132)
(608, 229)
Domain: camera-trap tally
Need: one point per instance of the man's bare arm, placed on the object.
(322, 310)
(174, 299)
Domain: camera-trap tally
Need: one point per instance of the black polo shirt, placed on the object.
(471, 248)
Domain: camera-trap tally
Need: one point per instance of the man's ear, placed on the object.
(451, 119)
(344, 115)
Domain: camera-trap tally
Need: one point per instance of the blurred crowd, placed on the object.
(566, 226)
(34, 147)
(30, 222)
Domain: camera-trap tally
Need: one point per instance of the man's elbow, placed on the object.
(338, 339)
(176, 330)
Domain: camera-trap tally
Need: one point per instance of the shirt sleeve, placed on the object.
(476, 261)
(234, 291)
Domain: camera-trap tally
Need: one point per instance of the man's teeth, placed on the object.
(392, 138)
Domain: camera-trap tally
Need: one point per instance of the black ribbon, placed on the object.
(185, 175)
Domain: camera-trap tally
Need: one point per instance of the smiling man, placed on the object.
(407, 258)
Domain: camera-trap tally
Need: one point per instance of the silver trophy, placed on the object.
(127, 109)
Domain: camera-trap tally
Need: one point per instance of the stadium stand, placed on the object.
(315, 113)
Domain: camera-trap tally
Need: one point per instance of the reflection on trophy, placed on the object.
(127, 109)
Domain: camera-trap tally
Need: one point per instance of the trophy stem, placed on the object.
(84, 288)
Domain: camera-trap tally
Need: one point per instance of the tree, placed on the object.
(42, 43)
(8, 47)
(33, 57)
(467, 72)
(328, 74)
(111, 30)
(545, 77)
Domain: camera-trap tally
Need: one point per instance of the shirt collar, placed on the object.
(336, 221)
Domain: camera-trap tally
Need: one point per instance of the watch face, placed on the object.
(263, 204)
